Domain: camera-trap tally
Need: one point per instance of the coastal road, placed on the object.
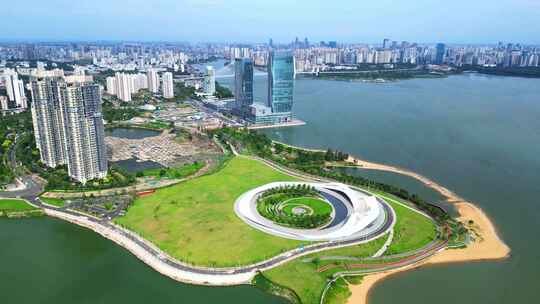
(237, 275)
(231, 271)
(178, 270)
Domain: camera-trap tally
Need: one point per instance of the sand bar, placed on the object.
(486, 246)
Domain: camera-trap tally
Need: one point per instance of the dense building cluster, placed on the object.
(308, 56)
(66, 102)
(123, 85)
(321, 56)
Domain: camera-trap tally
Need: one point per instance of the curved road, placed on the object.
(185, 272)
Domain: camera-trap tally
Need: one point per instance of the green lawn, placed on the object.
(338, 292)
(317, 205)
(158, 125)
(279, 209)
(412, 230)
(301, 276)
(177, 172)
(53, 201)
(15, 205)
(194, 221)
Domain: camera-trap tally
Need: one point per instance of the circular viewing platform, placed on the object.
(320, 212)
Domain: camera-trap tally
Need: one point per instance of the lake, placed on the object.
(478, 135)
(131, 133)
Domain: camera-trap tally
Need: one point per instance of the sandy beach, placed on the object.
(486, 246)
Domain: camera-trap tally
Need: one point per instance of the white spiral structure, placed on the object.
(356, 214)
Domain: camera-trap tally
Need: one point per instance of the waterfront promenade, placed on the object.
(183, 272)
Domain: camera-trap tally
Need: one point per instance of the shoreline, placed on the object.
(293, 123)
(486, 246)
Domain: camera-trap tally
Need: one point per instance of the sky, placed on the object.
(424, 21)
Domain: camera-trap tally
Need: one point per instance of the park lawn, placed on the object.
(176, 172)
(58, 202)
(412, 230)
(318, 205)
(338, 293)
(195, 222)
(15, 205)
(158, 125)
(302, 277)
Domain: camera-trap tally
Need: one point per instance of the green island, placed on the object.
(193, 220)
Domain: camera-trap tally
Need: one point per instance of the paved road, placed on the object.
(32, 192)
(33, 186)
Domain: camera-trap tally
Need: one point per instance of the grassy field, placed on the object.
(195, 221)
(338, 292)
(300, 275)
(412, 230)
(15, 205)
(53, 201)
(177, 172)
(156, 125)
(317, 205)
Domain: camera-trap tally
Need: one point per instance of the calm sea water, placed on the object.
(50, 261)
(477, 135)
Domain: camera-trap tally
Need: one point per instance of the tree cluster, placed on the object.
(58, 179)
(222, 92)
(291, 190)
(110, 113)
(10, 126)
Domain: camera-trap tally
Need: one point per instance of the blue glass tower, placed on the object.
(281, 81)
(243, 82)
(440, 53)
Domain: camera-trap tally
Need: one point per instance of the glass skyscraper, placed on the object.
(281, 81)
(243, 83)
(440, 53)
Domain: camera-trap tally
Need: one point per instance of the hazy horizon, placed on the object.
(347, 21)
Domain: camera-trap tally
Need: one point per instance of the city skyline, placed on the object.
(218, 21)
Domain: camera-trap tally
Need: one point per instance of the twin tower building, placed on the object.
(68, 126)
(278, 108)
